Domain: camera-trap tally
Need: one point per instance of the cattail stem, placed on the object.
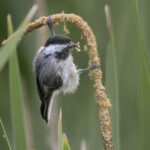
(96, 75)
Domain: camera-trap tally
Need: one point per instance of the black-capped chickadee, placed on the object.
(55, 70)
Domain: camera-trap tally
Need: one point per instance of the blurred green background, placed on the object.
(125, 56)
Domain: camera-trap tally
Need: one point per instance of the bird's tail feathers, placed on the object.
(46, 107)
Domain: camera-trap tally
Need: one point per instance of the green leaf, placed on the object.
(112, 81)
(4, 143)
(65, 143)
(60, 139)
(16, 98)
(112, 91)
(144, 83)
(10, 47)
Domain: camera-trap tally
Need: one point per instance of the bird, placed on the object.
(55, 70)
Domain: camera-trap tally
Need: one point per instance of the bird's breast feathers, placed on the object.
(69, 74)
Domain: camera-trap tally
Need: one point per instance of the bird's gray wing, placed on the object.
(46, 89)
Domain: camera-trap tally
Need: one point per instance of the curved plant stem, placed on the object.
(96, 75)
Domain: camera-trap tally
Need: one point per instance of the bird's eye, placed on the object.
(59, 55)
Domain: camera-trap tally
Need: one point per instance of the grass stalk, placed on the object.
(4, 142)
(144, 81)
(60, 137)
(66, 145)
(16, 98)
(115, 99)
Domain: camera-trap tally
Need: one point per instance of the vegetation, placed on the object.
(123, 42)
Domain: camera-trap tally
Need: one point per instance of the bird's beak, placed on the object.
(72, 45)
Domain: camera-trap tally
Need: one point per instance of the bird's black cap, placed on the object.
(57, 39)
